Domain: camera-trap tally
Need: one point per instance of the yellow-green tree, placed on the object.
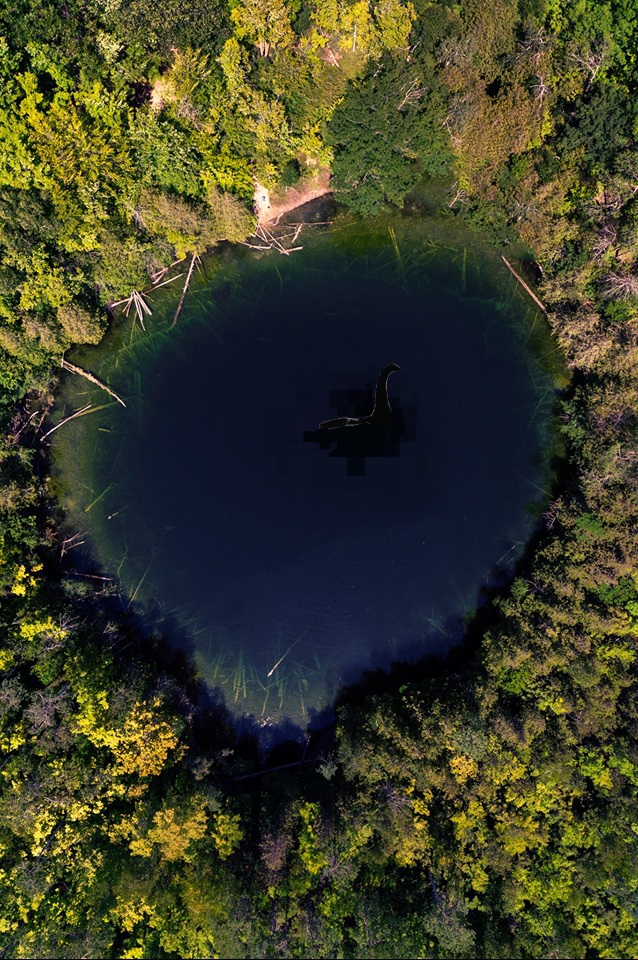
(265, 23)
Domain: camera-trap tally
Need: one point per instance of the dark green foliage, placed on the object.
(309, 91)
(26, 219)
(387, 133)
(601, 126)
(625, 33)
(166, 23)
(291, 174)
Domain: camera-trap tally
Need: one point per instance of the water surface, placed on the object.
(287, 568)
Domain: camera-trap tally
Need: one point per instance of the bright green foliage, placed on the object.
(266, 23)
(140, 742)
(227, 833)
(167, 154)
(363, 29)
(160, 25)
(172, 833)
(74, 149)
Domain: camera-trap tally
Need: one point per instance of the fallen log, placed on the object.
(183, 296)
(71, 367)
(524, 285)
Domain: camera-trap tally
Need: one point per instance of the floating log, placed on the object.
(134, 299)
(71, 542)
(269, 241)
(93, 576)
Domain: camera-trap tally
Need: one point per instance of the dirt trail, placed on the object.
(269, 209)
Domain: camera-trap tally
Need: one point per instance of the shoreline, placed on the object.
(269, 211)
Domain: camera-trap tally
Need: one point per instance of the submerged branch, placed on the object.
(141, 307)
(71, 542)
(71, 367)
(137, 300)
(163, 283)
(524, 285)
(282, 766)
(78, 413)
(183, 296)
(161, 273)
(14, 436)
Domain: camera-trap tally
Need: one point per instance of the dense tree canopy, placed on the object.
(488, 809)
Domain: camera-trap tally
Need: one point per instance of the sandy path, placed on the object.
(269, 209)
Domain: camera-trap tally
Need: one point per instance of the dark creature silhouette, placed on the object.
(381, 415)
(356, 438)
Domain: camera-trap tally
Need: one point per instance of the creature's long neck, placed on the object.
(381, 401)
(381, 412)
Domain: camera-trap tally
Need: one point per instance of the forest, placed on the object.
(486, 808)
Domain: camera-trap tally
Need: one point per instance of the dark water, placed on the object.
(287, 567)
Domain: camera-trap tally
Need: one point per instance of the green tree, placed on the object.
(266, 23)
(80, 324)
(386, 134)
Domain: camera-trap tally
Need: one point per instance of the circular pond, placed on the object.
(290, 557)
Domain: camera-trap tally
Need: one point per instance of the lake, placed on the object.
(286, 558)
